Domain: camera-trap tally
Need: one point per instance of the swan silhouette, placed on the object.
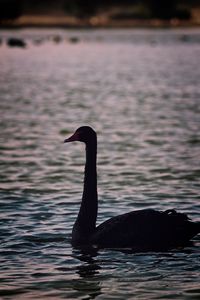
(140, 230)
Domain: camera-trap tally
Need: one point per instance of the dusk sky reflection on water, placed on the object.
(140, 90)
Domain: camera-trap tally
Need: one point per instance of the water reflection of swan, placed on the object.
(142, 230)
(88, 282)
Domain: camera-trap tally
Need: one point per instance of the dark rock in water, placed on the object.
(57, 39)
(74, 39)
(16, 42)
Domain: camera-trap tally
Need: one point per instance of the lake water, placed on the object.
(140, 90)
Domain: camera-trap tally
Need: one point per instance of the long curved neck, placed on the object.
(86, 221)
(89, 198)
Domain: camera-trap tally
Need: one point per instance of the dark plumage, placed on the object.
(141, 230)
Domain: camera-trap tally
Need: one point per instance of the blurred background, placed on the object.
(98, 13)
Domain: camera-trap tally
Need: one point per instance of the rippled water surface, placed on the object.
(141, 91)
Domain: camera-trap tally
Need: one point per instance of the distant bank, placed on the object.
(42, 21)
(99, 13)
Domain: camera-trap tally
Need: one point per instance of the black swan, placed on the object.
(141, 230)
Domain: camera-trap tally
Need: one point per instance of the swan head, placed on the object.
(83, 134)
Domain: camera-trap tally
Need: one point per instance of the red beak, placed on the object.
(72, 138)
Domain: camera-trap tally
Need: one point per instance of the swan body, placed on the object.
(141, 230)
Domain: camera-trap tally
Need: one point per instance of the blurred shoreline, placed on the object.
(46, 21)
(99, 14)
